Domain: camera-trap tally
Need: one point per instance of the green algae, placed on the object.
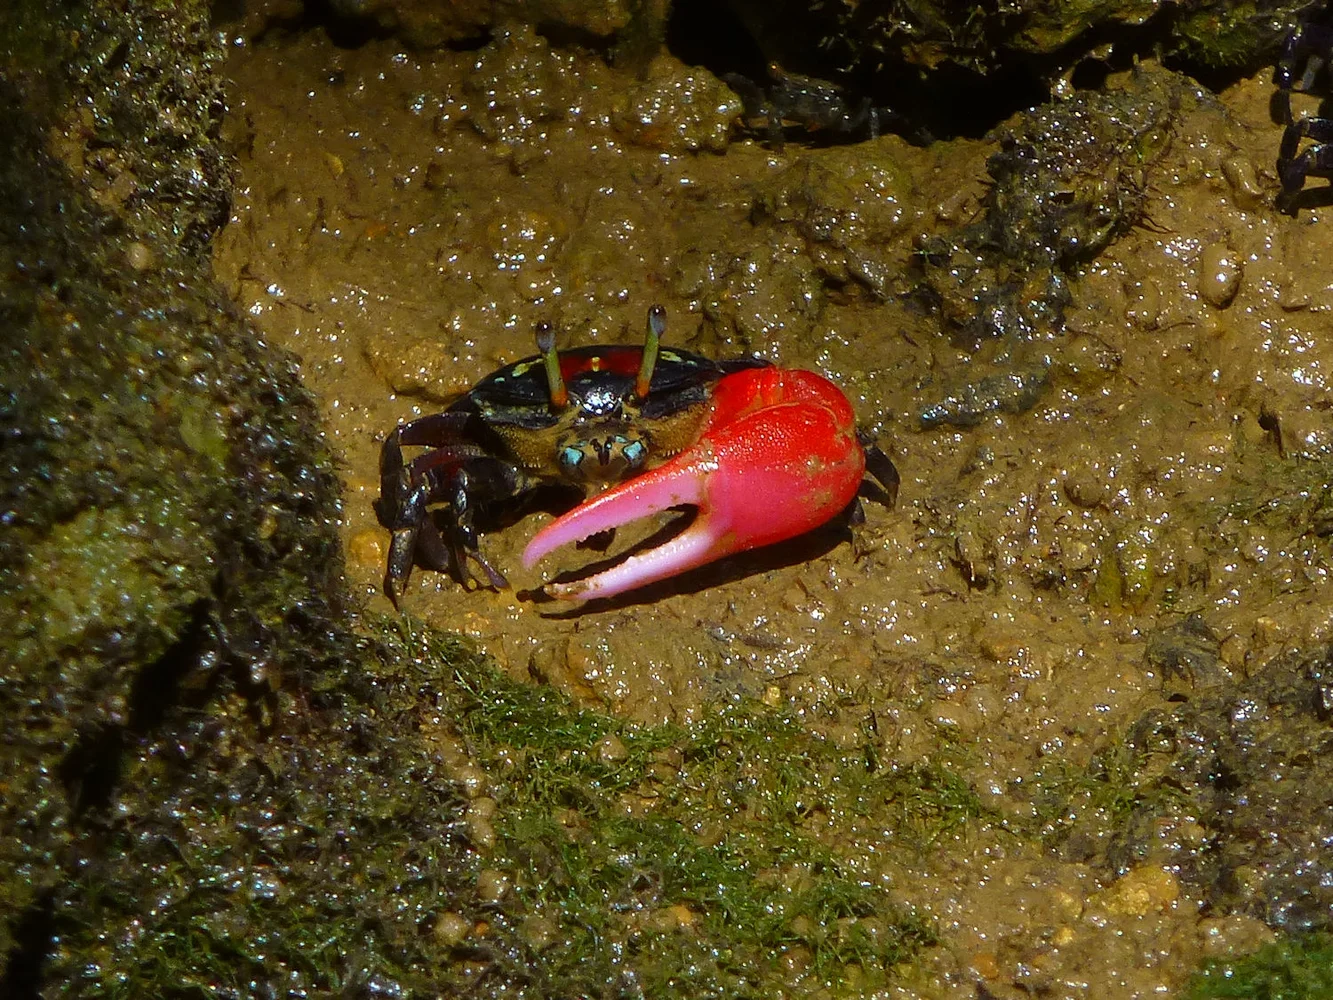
(715, 857)
(101, 571)
(1299, 968)
(720, 817)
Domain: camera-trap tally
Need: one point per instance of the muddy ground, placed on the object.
(403, 220)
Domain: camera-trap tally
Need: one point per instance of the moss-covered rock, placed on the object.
(984, 38)
(167, 504)
(428, 827)
(1068, 178)
(1248, 761)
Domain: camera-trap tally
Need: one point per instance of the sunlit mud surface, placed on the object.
(403, 221)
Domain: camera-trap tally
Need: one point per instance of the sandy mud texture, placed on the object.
(1054, 724)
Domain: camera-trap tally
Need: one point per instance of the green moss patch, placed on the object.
(1295, 969)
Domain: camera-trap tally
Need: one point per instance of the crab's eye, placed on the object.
(570, 457)
(634, 453)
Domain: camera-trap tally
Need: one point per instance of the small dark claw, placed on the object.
(494, 576)
(881, 467)
(432, 550)
(1302, 61)
(1294, 168)
(751, 94)
(402, 550)
(402, 509)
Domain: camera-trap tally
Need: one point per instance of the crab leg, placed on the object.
(778, 456)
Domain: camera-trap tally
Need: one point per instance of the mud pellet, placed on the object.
(1243, 180)
(1220, 271)
(492, 885)
(451, 928)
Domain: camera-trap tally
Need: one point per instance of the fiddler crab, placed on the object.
(763, 453)
(808, 103)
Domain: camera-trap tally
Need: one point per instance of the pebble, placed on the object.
(1142, 891)
(492, 885)
(1087, 485)
(451, 928)
(139, 256)
(471, 780)
(539, 932)
(1291, 296)
(1236, 934)
(1220, 271)
(480, 829)
(418, 366)
(1244, 181)
(612, 750)
(671, 918)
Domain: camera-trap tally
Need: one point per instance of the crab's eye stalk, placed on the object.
(555, 383)
(651, 342)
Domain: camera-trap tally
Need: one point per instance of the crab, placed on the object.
(763, 453)
(807, 102)
(1302, 62)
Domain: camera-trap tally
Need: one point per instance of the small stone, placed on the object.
(480, 829)
(481, 808)
(1220, 271)
(795, 959)
(481, 834)
(1291, 295)
(1142, 891)
(539, 932)
(451, 928)
(492, 885)
(139, 256)
(1236, 934)
(471, 780)
(1002, 647)
(670, 918)
(1086, 485)
(419, 366)
(1078, 556)
(612, 750)
(1240, 174)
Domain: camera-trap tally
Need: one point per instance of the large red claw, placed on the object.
(777, 457)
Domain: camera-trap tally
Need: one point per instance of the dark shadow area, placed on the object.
(568, 36)
(22, 975)
(346, 29)
(949, 101)
(91, 769)
(712, 36)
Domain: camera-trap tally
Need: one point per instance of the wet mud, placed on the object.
(403, 220)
